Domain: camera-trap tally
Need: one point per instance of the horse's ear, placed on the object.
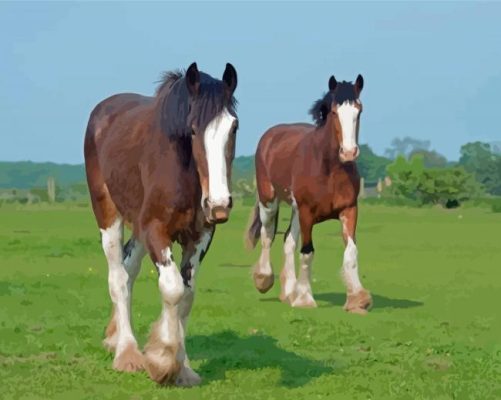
(332, 83)
(193, 79)
(359, 83)
(230, 78)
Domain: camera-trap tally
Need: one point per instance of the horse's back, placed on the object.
(275, 155)
(281, 139)
(105, 112)
(107, 148)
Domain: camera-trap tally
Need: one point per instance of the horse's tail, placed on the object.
(253, 231)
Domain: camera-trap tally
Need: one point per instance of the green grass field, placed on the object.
(434, 331)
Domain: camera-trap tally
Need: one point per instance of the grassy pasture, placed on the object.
(434, 331)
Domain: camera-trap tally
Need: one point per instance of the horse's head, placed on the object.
(346, 108)
(341, 106)
(213, 126)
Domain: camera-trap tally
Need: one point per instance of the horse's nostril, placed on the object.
(230, 203)
(206, 202)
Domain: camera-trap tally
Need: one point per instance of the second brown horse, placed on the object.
(312, 168)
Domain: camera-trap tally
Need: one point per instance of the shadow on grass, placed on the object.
(338, 299)
(378, 300)
(232, 265)
(226, 351)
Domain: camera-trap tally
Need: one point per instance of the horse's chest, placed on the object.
(334, 194)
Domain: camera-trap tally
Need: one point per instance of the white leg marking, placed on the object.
(171, 288)
(118, 280)
(194, 261)
(188, 377)
(302, 296)
(350, 268)
(289, 270)
(163, 351)
(216, 138)
(267, 215)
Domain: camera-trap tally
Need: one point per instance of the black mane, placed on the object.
(179, 111)
(345, 91)
(168, 78)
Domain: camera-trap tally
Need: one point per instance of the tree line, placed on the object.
(413, 172)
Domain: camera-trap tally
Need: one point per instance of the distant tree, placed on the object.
(406, 146)
(245, 187)
(479, 159)
(445, 186)
(431, 158)
(496, 147)
(406, 176)
(371, 166)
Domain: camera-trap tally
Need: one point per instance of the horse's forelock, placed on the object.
(344, 92)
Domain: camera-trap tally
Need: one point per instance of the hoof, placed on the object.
(188, 378)
(303, 299)
(358, 303)
(161, 364)
(129, 360)
(263, 282)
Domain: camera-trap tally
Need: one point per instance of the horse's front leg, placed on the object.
(164, 353)
(122, 272)
(302, 295)
(358, 300)
(193, 254)
(288, 275)
(133, 254)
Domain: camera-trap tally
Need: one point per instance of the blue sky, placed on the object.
(432, 70)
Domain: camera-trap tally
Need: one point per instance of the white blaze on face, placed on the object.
(348, 115)
(216, 138)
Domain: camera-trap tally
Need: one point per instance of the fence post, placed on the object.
(51, 189)
(379, 188)
(361, 194)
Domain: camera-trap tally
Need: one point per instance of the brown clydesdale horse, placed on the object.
(312, 168)
(161, 165)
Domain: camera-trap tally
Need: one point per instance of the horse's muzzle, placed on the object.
(218, 213)
(348, 155)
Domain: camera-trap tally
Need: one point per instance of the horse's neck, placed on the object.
(327, 143)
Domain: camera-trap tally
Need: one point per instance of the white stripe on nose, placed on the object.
(348, 114)
(216, 138)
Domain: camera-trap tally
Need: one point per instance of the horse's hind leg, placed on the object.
(288, 274)
(263, 271)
